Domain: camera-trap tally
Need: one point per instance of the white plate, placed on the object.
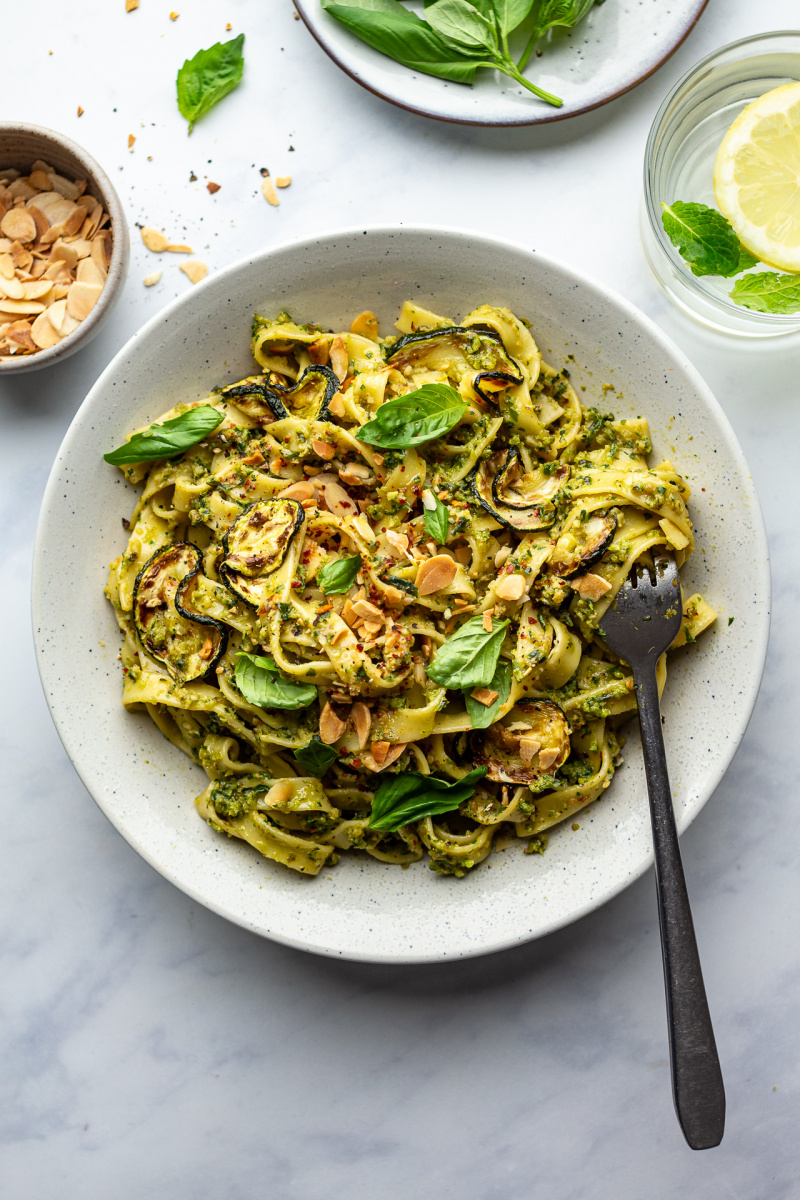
(364, 909)
(618, 45)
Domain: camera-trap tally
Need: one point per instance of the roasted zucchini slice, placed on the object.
(532, 742)
(583, 545)
(261, 397)
(256, 545)
(516, 500)
(453, 350)
(490, 385)
(188, 643)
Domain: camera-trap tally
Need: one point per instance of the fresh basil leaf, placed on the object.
(405, 585)
(482, 715)
(168, 439)
(407, 797)
(469, 658)
(336, 577)
(437, 522)
(547, 14)
(204, 80)
(460, 25)
(768, 292)
(401, 35)
(414, 418)
(260, 682)
(704, 239)
(315, 757)
(508, 13)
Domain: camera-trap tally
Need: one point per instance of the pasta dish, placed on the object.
(362, 589)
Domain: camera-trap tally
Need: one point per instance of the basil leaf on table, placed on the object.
(768, 292)
(704, 239)
(169, 438)
(400, 34)
(205, 79)
(315, 757)
(437, 522)
(336, 577)
(417, 417)
(408, 797)
(261, 683)
(482, 715)
(468, 659)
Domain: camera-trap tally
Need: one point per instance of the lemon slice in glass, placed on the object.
(757, 177)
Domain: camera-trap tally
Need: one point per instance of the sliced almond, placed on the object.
(528, 746)
(39, 219)
(501, 556)
(366, 325)
(178, 248)
(11, 288)
(435, 573)
(337, 499)
(40, 180)
(37, 289)
(428, 500)
(363, 528)
(388, 754)
(590, 587)
(547, 758)
(154, 239)
(336, 406)
(20, 189)
(283, 181)
(43, 333)
(487, 621)
(323, 449)
(64, 252)
(6, 266)
(485, 696)
(510, 587)
(131, 5)
(89, 272)
(153, 277)
(82, 246)
(101, 249)
(82, 299)
(330, 727)
(398, 543)
(64, 187)
(88, 202)
(362, 721)
(379, 750)
(19, 225)
(21, 307)
(269, 193)
(19, 332)
(56, 315)
(23, 259)
(367, 610)
(339, 359)
(355, 474)
(194, 269)
(59, 272)
(298, 491)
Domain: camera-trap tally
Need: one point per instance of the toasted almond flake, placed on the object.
(355, 474)
(501, 556)
(323, 449)
(20, 189)
(130, 5)
(40, 180)
(6, 266)
(101, 249)
(337, 499)
(80, 111)
(178, 248)
(435, 573)
(462, 554)
(336, 406)
(528, 746)
(339, 359)
(43, 333)
(74, 222)
(510, 587)
(487, 621)
(37, 289)
(58, 272)
(39, 219)
(398, 542)
(19, 332)
(590, 587)
(362, 721)
(213, 187)
(20, 307)
(330, 727)
(131, 140)
(298, 491)
(154, 239)
(89, 272)
(269, 193)
(379, 750)
(82, 246)
(65, 187)
(19, 225)
(367, 610)
(387, 756)
(365, 324)
(194, 269)
(153, 278)
(64, 252)
(82, 299)
(547, 758)
(485, 696)
(173, 16)
(283, 181)
(56, 315)
(86, 201)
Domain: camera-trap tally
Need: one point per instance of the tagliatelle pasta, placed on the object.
(337, 587)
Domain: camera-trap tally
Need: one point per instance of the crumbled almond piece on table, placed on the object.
(131, 140)
(194, 269)
(80, 111)
(153, 278)
(269, 193)
(154, 239)
(590, 587)
(173, 16)
(178, 248)
(130, 5)
(212, 187)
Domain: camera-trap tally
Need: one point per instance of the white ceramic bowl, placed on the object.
(363, 909)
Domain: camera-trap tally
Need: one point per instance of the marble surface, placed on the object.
(150, 1048)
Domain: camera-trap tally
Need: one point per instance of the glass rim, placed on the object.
(694, 283)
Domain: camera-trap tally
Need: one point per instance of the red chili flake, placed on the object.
(530, 620)
(359, 647)
(356, 762)
(296, 583)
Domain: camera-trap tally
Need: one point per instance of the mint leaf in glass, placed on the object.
(169, 438)
(204, 80)
(768, 292)
(704, 239)
(408, 797)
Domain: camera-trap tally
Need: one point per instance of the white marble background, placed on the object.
(149, 1048)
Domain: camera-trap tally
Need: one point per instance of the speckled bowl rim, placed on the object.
(68, 728)
(120, 254)
(543, 118)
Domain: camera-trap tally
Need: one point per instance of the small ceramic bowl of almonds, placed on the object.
(64, 247)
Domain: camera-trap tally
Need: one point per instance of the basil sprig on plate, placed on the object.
(336, 577)
(482, 715)
(436, 521)
(469, 658)
(204, 80)
(261, 683)
(315, 757)
(407, 797)
(417, 417)
(168, 439)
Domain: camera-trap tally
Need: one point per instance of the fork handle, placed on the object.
(697, 1086)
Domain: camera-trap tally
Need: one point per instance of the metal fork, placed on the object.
(641, 624)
